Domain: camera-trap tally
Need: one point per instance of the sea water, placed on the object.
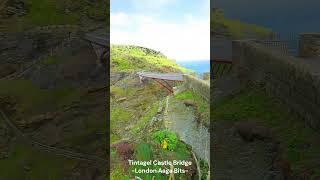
(198, 66)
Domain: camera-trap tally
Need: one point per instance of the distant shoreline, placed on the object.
(199, 66)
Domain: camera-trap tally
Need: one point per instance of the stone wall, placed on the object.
(309, 45)
(295, 81)
(198, 86)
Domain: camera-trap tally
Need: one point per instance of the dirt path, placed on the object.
(236, 159)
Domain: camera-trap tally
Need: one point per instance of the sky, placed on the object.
(180, 29)
(285, 17)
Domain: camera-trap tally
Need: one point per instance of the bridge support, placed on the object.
(166, 80)
(99, 40)
(164, 84)
(101, 53)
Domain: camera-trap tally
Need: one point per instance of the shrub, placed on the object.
(125, 150)
(170, 137)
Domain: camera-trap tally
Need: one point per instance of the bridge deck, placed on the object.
(163, 76)
(99, 37)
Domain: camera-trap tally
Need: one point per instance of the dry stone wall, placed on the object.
(295, 81)
(198, 86)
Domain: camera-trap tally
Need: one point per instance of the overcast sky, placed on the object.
(282, 16)
(180, 29)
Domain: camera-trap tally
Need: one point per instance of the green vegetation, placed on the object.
(47, 12)
(139, 106)
(146, 117)
(118, 116)
(236, 28)
(57, 12)
(204, 167)
(42, 165)
(143, 152)
(117, 170)
(202, 106)
(98, 11)
(32, 99)
(133, 58)
(117, 91)
(51, 60)
(87, 138)
(189, 95)
(299, 143)
(165, 135)
(133, 107)
(118, 174)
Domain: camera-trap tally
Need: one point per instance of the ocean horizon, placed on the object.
(198, 66)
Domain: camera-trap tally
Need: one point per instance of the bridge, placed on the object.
(166, 80)
(99, 40)
(170, 80)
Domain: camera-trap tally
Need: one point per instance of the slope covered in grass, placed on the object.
(57, 12)
(41, 165)
(31, 99)
(221, 25)
(133, 58)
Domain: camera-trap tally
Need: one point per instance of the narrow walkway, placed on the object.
(163, 76)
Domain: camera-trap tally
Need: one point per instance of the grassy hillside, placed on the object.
(56, 12)
(133, 109)
(134, 58)
(235, 28)
(140, 101)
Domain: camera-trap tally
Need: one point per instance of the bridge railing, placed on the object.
(221, 68)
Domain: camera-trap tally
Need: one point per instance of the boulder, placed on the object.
(189, 103)
(249, 131)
